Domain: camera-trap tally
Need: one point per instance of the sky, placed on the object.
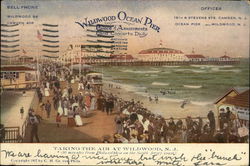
(210, 41)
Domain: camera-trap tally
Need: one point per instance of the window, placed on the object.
(9, 75)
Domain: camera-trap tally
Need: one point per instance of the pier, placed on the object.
(159, 63)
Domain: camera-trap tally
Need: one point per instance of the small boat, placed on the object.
(192, 86)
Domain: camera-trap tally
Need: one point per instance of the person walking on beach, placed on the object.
(156, 99)
(48, 108)
(184, 103)
(150, 98)
(21, 112)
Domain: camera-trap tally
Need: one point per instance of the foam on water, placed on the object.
(171, 66)
(217, 69)
(153, 75)
(160, 83)
(193, 86)
(153, 78)
(204, 66)
(140, 72)
(129, 88)
(136, 90)
(233, 70)
(190, 70)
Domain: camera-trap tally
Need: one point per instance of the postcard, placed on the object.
(124, 82)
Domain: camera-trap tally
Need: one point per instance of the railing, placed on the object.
(19, 83)
(12, 135)
(24, 126)
(204, 120)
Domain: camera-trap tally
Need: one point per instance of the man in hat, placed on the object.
(172, 125)
(222, 118)
(48, 108)
(34, 127)
(70, 90)
(211, 119)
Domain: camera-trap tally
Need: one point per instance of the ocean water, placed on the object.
(197, 83)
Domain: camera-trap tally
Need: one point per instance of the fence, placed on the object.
(12, 135)
(24, 126)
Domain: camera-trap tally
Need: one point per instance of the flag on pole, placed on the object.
(39, 36)
(70, 47)
(24, 52)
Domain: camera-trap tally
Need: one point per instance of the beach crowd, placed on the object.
(136, 124)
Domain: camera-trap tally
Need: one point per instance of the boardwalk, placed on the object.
(94, 126)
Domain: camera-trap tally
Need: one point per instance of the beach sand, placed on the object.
(165, 108)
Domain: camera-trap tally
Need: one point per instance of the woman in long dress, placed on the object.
(87, 102)
(46, 92)
(93, 103)
(47, 85)
(78, 118)
(71, 120)
(72, 81)
(65, 93)
(66, 108)
(60, 110)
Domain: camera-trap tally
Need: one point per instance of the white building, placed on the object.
(86, 52)
(225, 58)
(196, 57)
(161, 54)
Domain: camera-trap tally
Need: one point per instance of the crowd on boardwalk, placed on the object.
(134, 123)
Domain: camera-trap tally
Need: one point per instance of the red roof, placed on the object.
(16, 68)
(241, 100)
(122, 56)
(225, 57)
(191, 56)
